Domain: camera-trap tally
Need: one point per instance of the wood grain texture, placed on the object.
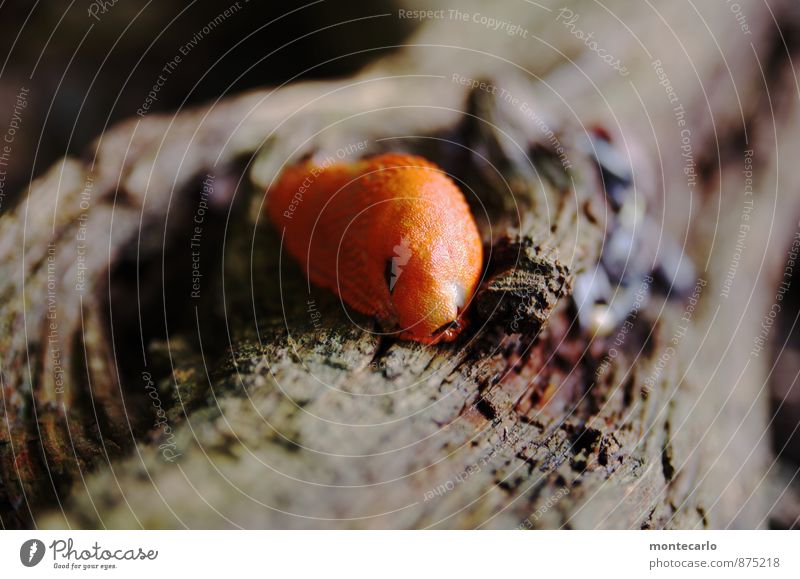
(286, 418)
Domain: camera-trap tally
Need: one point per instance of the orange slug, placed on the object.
(391, 235)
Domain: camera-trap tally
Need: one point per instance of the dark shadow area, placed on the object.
(70, 73)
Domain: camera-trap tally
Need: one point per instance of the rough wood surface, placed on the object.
(280, 411)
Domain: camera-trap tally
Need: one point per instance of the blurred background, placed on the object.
(86, 71)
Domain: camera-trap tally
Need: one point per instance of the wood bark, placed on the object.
(282, 411)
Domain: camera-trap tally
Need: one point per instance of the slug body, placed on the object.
(391, 235)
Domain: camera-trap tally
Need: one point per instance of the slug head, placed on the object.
(431, 280)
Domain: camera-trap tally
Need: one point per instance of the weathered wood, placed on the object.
(282, 412)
